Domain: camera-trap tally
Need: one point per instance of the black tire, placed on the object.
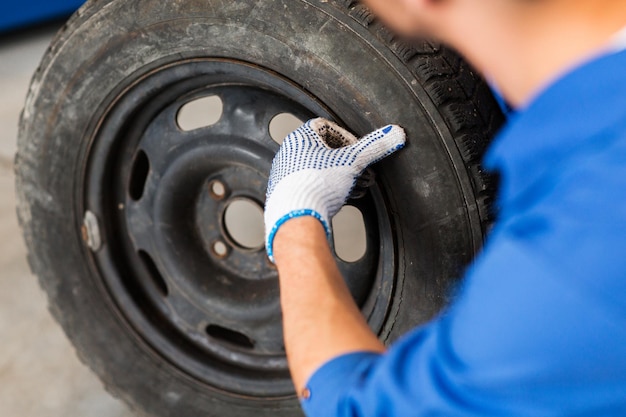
(112, 74)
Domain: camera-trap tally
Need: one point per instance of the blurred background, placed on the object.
(40, 375)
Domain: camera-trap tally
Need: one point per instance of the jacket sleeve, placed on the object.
(521, 339)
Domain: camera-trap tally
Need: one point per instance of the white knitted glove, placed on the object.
(315, 170)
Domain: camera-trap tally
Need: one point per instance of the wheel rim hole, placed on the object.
(349, 234)
(283, 124)
(217, 189)
(219, 249)
(154, 273)
(243, 222)
(199, 113)
(232, 337)
(139, 175)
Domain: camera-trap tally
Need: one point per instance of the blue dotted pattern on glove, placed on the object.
(313, 153)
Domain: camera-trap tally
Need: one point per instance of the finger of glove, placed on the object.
(331, 134)
(378, 145)
(362, 183)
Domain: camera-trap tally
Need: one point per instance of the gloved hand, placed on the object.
(315, 170)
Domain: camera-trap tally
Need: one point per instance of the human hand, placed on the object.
(317, 167)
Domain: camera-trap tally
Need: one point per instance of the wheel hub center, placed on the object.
(243, 223)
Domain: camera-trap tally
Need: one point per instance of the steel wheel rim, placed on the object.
(184, 319)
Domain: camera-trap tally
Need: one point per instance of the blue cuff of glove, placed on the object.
(292, 215)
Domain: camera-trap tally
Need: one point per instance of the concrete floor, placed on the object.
(40, 375)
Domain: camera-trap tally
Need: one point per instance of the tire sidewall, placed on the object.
(336, 62)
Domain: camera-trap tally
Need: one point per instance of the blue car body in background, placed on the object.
(17, 14)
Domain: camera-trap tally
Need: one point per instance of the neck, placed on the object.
(535, 42)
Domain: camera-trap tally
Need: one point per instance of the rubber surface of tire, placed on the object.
(337, 51)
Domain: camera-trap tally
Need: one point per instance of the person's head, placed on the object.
(522, 44)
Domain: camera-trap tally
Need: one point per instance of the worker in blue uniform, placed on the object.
(539, 327)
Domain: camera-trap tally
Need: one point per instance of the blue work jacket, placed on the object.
(539, 328)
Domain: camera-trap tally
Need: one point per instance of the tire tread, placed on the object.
(459, 92)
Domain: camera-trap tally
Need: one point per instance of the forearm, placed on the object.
(320, 319)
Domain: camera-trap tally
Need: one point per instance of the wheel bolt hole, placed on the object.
(232, 337)
(217, 189)
(219, 249)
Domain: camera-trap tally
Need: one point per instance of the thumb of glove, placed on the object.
(377, 145)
